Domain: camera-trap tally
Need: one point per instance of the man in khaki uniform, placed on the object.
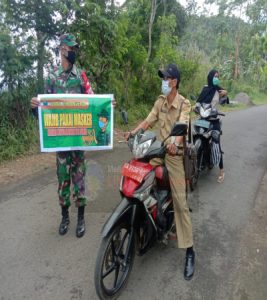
(168, 109)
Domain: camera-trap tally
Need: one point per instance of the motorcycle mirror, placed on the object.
(179, 129)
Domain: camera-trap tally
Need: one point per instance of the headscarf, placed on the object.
(209, 90)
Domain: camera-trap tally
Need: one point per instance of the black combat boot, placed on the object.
(64, 225)
(80, 230)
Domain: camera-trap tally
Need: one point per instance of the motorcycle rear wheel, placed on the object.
(114, 262)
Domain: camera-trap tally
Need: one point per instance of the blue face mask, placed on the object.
(216, 81)
(165, 88)
(101, 124)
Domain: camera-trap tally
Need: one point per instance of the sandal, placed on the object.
(221, 178)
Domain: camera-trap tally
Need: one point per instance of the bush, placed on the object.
(18, 129)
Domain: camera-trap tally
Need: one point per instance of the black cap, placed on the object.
(171, 71)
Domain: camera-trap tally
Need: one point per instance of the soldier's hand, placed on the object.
(114, 103)
(35, 102)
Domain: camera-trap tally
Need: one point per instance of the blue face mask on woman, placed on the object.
(216, 81)
(165, 88)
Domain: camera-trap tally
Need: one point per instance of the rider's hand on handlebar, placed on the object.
(127, 135)
(222, 93)
(172, 149)
(196, 108)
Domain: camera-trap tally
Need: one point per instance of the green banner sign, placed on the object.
(75, 122)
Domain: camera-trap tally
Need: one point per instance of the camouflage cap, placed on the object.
(68, 39)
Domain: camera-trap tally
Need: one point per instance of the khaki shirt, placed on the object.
(166, 116)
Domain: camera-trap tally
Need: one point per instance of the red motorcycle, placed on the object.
(144, 215)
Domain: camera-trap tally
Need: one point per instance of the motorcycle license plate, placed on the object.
(202, 123)
(134, 172)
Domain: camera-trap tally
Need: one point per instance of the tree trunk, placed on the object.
(112, 8)
(237, 46)
(154, 6)
(40, 63)
(165, 7)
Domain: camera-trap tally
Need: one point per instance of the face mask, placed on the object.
(101, 124)
(71, 57)
(215, 81)
(165, 88)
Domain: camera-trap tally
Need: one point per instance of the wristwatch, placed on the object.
(178, 145)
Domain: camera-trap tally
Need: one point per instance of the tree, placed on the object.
(41, 21)
(15, 62)
(154, 6)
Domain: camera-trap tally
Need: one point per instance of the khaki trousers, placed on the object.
(175, 167)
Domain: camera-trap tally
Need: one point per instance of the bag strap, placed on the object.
(189, 132)
(180, 110)
(190, 138)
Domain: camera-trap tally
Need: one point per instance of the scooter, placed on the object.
(206, 136)
(143, 216)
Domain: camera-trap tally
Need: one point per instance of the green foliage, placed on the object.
(136, 114)
(18, 129)
(115, 49)
(257, 96)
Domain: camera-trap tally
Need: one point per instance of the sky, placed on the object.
(212, 9)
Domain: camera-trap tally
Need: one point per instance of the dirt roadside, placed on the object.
(28, 166)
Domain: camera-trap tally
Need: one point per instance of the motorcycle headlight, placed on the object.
(204, 113)
(140, 150)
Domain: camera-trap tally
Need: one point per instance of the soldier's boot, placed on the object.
(80, 230)
(64, 225)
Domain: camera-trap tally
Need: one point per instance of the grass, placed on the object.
(16, 142)
(259, 98)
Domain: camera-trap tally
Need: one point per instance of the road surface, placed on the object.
(36, 263)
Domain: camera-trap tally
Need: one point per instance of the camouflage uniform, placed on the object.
(70, 164)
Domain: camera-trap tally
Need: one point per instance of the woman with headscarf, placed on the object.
(211, 94)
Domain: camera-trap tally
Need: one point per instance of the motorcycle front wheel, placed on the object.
(114, 261)
(194, 178)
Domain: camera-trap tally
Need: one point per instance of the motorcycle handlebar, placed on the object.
(131, 135)
(179, 151)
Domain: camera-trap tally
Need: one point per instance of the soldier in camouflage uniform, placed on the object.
(67, 78)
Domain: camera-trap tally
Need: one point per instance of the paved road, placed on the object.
(36, 263)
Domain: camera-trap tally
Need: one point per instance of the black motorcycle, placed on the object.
(206, 136)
